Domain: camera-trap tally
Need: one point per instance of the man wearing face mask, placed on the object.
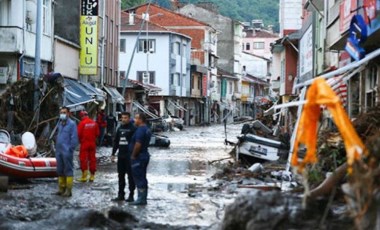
(123, 136)
(66, 142)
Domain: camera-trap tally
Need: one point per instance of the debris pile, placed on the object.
(18, 115)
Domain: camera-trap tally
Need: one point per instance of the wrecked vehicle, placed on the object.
(256, 141)
(174, 121)
(261, 148)
(16, 162)
(159, 141)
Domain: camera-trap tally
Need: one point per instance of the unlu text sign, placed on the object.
(89, 37)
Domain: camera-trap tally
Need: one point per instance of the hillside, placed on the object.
(242, 10)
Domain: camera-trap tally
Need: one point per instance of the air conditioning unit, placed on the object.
(146, 78)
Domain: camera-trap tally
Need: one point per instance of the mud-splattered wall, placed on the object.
(66, 20)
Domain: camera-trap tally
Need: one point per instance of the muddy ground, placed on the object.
(181, 190)
(185, 192)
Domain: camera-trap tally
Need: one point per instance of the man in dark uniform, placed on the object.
(122, 139)
(140, 157)
(111, 125)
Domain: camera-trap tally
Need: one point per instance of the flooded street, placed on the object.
(180, 188)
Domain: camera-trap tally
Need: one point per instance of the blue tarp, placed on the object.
(93, 92)
(76, 94)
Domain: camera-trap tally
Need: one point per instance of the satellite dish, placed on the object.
(31, 11)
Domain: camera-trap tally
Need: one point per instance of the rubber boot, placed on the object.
(61, 186)
(83, 179)
(69, 186)
(92, 177)
(130, 197)
(119, 198)
(141, 197)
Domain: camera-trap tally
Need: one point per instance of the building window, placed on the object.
(146, 77)
(172, 79)
(199, 82)
(105, 23)
(178, 80)
(4, 13)
(147, 45)
(370, 87)
(258, 45)
(231, 87)
(123, 45)
(45, 17)
(211, 61)
(175, 79)
(219, 87)
(111, 32)
(177, 48)
(122, 75)
(248, 46)
(184, 50)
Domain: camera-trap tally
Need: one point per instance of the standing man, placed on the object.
(122, 140)
(140, 157)
(66, 142)
(88, 132)
(111, 125)
(102, 123)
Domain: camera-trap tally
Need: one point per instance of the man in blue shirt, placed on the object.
(140, 157)
(66, 142)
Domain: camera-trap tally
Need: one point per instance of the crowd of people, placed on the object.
(130, 140)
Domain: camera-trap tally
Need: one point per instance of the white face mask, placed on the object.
(62, 117)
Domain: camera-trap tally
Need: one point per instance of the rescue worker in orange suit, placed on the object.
(123, 137)
(88, 132)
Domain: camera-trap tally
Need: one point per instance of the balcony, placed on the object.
(11, 39)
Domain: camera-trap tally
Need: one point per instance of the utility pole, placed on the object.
(37, 58)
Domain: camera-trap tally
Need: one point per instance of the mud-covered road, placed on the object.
(180, 194)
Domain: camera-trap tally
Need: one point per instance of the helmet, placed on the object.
(83, 114)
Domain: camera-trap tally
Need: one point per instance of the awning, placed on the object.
(146, 111)
(116, 97)
(177, 106)
(75, 94)
(96, 93)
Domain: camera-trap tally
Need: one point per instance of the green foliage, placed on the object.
(125, 4)
(242, 10)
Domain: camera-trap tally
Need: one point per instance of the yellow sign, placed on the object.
(89, 45)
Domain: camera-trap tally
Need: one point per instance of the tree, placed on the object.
(125, 4)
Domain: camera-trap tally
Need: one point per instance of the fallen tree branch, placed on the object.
(43, 122)
(327, 186)
(219, 160)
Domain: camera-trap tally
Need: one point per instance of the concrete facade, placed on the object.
(203, 48)
(17, 39)
(230, 33)
(66, 59)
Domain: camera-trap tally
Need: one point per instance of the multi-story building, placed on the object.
(108, 64)
(229, 54)
(257, 40)
(285, 49)
(203, 48)
(363, 83)
(18, 39)
(162, 59)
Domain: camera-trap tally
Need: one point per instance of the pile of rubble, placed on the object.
(18, 114)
